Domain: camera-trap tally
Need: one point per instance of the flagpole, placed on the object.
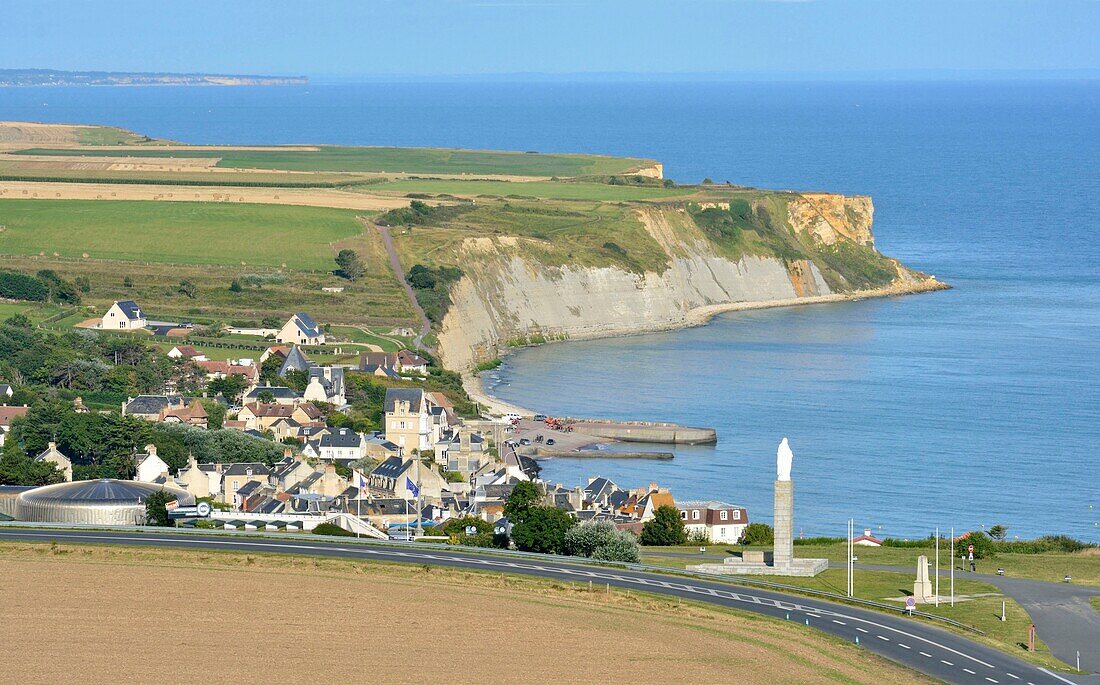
(937, 566)
(419, 529)
(358, 501)
(952, 567)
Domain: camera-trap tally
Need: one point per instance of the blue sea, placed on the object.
(964, 408)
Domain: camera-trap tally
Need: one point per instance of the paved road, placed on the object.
(399, 273)
(924, 648)
(1063, 617)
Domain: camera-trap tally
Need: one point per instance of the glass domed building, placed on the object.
(104, 502)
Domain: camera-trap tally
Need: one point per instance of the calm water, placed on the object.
(974, 406)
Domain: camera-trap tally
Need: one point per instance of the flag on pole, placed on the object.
(415, 491)
(360, 481)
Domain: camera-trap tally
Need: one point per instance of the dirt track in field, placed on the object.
(315, 197)
(120, 615)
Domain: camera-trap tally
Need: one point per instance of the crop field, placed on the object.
(176, 232)
(531, 189)
(386, 159)
(105, 595)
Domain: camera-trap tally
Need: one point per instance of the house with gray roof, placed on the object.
(296, 360)
(301, 329)
(123, 315)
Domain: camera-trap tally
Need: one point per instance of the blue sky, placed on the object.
(440, 37)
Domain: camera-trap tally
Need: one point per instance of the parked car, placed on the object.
(524, 441)
(512, 416)
(549, 441)
(540, 417)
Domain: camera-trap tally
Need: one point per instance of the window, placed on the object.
(723, 515)
(694, 514)
(683, 515)
(736, 514)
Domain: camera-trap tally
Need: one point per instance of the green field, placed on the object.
(531, 189)
(176, 232)
(387, 159)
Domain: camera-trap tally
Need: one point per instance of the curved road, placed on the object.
(924, 648)
(399, 273)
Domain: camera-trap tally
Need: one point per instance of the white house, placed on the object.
(718, 521)
(124, 315)
(341, 445)
(301, 329)
(149, 466)
(53, 456)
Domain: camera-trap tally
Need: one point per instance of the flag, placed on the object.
(415, 491)
(360, 481)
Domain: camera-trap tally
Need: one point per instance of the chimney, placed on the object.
(151, 450)
(653, 487)
(287, 452)
(53, 445)
(867, 532)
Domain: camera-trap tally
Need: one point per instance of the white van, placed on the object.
(511, 416)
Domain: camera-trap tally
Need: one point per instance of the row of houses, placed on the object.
(126, 315)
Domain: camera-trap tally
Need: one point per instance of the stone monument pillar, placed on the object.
(922, 586)
(783, 550)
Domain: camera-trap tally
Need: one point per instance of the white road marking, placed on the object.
(813, 615)
(861, 630)
(991, 680)
(882, 637)
(903, 646)
(839, 622)
(1055, 675)
(942, 661)
(926, 654)
(1014, 677)
(969, 671)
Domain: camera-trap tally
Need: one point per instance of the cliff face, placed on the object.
(506, 297)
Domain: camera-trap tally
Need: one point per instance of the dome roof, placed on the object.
(104, 492)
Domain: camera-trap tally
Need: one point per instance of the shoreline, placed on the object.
(699, 316)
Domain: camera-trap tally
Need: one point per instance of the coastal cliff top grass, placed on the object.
(375, 159)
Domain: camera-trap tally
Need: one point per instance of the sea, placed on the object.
(964, 408)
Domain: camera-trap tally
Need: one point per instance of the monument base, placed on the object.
(736, 566)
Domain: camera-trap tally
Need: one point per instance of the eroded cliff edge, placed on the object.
(767, 249)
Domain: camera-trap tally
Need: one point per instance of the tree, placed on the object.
(757, 534)
(998, 532)
(231, 386)
(266, 396)
(16, 468)
(542, 529)
(215, 415)
(602, 540)
(187, 288)
(350, 266)
(127, 282)
(156, 513)
(235, 286)
(523, 498)
(983, 545)
(665, 528)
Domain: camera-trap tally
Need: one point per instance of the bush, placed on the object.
(332, 529)
(983, 545)
(156, 513)
(16, 286)
(543, 529)
(665, 528)
(758, 534)
(602, 540)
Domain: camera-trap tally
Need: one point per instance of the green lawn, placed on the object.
(532, 189)
(358, 335)
(176, 232)
(390, 159)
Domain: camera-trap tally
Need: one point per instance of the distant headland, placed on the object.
(54, 77)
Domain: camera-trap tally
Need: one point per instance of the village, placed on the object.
(426, 465)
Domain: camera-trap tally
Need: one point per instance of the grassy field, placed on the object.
(389, 159)
(562, 632)
(559, 233)
(982, 612)
(531, 189)
(176, 232)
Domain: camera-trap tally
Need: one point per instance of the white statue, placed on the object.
(783, 459)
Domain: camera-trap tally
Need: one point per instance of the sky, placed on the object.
(347, 38)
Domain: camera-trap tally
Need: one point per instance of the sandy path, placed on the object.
(316, 197)
(141, 616)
